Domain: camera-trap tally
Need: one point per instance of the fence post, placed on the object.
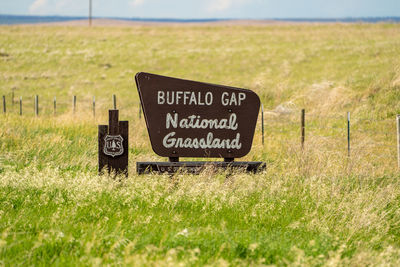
(303, 130)
(140, 110)
(55, 105)
(94, 107)
(36, 105)
(398, 140)
(348, 134)
(74, 103)
(12, 98)
(115, 101)
(20, 105)
(262, 123)
(4, 104)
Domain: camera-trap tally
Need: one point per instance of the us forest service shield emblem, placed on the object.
(113, 145)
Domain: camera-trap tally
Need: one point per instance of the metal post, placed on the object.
(20, 105)
(398, 140)
(262, 123)
(140, 111)
(303, 123)
(115, 101)
(36, 105)
(55, 105)
(94, 106)
(90, 12)
(4, 104)
(74, 102)
(348, 134)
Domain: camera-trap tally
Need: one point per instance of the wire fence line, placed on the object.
(36, 105)
(343, 129)
(332, 134)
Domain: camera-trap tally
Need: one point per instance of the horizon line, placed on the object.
(205, 18)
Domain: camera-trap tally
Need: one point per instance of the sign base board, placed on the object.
(196, 167)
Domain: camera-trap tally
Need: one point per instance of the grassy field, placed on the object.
(313, 207)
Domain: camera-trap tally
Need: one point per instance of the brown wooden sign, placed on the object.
(194, 119)
(113, 145)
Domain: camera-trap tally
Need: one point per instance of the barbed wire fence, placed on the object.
(37, 105)
(305, 125)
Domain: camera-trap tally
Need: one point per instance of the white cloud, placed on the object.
(136, 2)
(60, 7)
(219, 5)
(38, 7)
(222, 5)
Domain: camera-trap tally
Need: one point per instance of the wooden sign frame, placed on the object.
(193, 119)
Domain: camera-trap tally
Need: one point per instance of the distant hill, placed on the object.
(23, 19)
(14, 19)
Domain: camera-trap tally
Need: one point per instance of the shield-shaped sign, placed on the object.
(113, 145)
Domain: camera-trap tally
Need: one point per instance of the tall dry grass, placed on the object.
(315, 206)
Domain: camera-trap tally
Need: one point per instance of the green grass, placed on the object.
(313, 207)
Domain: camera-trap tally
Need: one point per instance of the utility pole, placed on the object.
(90, 12)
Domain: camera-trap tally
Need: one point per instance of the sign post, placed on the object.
(113, 145)
(193, 119)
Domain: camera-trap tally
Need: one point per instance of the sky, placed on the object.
(197, 9)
